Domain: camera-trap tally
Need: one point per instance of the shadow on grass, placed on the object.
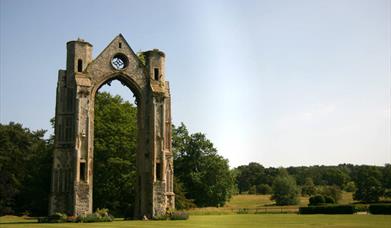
(21, 220)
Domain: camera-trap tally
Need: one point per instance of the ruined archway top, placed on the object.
(127, 80)
(101, 69)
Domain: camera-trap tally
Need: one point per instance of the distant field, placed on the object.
(260, 202)
(264, 200)
(226, 221)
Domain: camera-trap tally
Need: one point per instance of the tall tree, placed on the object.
(285, 190)
(250, 175)
(368, 185)
(308, 189)
(205, 174)
(387, 177)
(25, 164)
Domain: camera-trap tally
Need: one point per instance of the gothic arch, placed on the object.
(74, 127)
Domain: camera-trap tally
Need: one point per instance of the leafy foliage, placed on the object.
(181, 202)
(250, 175)
(205, 174)
(308, 188)
(252, 190)
(316, 200)
(24, 185)
(285, 190)
(264, 189)
(369, 188)
(333, 192)
(114, 154)
(350, 186)
(55, 218)
(101, 215)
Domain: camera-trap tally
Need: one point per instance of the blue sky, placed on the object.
(277, 82)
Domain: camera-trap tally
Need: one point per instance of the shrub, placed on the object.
(383, 209)
(316, 200)
(55, 218)
(252, 190)
(331, 191)
(350, 187)
(264, 189)
(329, 200)
(179, 215)
(285, 190)
(175, 215)
(95, 217)
(100, 215)
(361, 207)
(387, 193)
(308, 189)
(328, 209)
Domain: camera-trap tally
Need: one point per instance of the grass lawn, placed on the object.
(227, 221)
(225, 217)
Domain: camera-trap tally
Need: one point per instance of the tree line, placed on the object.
(202, 176)
(368, 183)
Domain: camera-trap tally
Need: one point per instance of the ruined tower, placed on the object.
(72, 174)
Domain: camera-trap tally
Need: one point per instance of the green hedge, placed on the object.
(328, 209)
(380, 209)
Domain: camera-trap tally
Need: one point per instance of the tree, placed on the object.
(369, 188)
(264, 189)
(250, 175)
(308, 188)
(181, 202)
(114, 154)
(387, 176)
(285, 190)
(252, 190)
(25, 165)
(350, 187)
(332, 191)
(316, 200)
(334, 176)
(205, 175)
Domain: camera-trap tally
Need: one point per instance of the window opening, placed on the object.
(79, 65)
(156, 74)
(82, 171)
(158, 171)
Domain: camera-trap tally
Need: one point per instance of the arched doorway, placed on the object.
(72, 179)
(115, 142)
